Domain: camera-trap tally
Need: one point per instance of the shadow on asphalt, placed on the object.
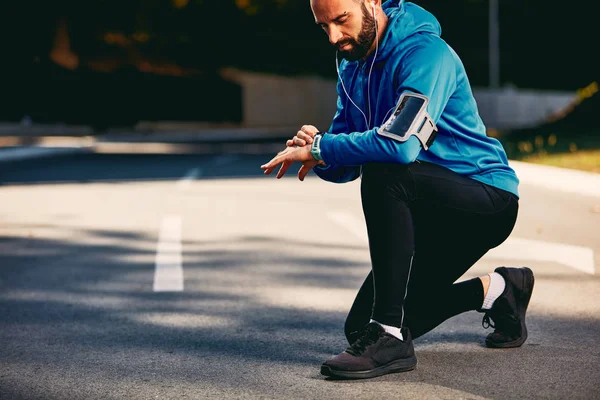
(101, 167)
(71, 297)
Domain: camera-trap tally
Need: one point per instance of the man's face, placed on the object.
(349, 24)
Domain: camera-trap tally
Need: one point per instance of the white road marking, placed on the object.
(185, 182)
(168, 273)
(563, 179)
(576, 257)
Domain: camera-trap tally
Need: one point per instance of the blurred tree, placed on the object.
(545, 44)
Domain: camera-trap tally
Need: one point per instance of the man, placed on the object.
(433, 205)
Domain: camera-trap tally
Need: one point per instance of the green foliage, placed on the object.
(544, 43)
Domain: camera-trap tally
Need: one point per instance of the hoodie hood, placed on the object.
(404, 20)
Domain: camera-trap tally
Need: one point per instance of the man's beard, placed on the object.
(365, 40)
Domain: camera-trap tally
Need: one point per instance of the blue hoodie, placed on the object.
(411, 57)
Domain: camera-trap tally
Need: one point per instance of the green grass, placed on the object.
(584, 160)
(566, 150)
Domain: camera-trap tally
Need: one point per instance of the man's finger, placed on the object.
(305, 136)
(270, 166)
(299, 142)
(269, 170)
(304, 170)
(309, 129)
(284, 167)
(289, 143)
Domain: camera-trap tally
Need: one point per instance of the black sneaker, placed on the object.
(508, 311)
(374, 353)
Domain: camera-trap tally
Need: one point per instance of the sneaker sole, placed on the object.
(403, 365)
(529, 283)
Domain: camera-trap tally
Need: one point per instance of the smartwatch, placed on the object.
(315, 148)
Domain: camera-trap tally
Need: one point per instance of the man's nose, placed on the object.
(334, 35)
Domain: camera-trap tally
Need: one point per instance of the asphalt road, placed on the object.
(192, 276)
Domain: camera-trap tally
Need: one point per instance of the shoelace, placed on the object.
(367, 337)
(501, 321)
(487, 322)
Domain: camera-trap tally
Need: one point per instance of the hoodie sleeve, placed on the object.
(333, 173)
(429, 69)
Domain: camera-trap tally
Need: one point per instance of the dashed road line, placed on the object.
(168, 272)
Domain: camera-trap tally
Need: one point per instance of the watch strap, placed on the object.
(315, 148)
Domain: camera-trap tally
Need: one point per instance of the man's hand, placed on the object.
(304, 136)
(287, 157)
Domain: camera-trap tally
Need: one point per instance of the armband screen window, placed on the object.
(405, 115)
(410, 118)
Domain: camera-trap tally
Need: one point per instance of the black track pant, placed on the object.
(427, 225)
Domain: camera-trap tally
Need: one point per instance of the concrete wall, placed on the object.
(270, 100)
(275, 101)
(515, 108)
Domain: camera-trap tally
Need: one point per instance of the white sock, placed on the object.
(496, 288)
(392, 330)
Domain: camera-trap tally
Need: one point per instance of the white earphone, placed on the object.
(337, 64)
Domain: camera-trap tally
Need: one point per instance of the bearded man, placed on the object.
(437, 192)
